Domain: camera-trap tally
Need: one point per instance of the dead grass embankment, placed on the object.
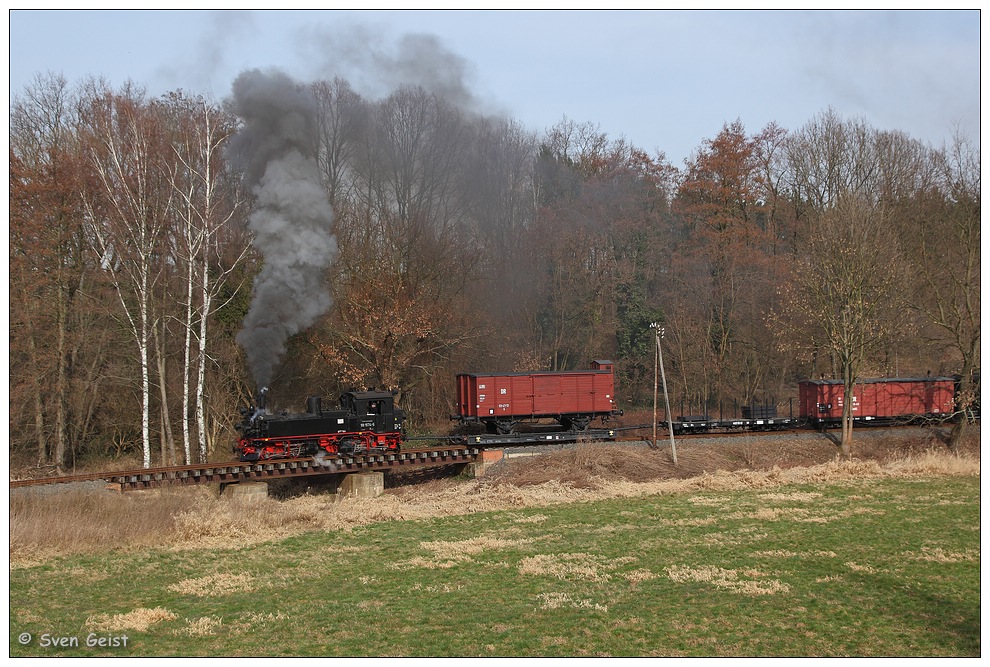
(45, 525)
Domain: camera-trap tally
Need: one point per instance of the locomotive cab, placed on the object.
(372, 411)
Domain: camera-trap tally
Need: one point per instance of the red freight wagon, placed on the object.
(573, 398)
(878, 399)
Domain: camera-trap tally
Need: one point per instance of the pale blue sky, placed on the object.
(664, 80)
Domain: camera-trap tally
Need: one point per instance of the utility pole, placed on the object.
(659, 332)
(656, 365)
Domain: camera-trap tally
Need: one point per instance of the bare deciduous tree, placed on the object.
(394, 282)
(342, 120)
(831, 157)
(943, 242)
(847, 290)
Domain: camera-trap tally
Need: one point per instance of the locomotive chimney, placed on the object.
(259, 407)
(314, 405)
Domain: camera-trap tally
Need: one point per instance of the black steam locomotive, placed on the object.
(365, 422)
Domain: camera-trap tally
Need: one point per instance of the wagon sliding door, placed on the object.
(546, 395)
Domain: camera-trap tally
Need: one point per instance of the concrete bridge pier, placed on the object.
(244, 490)
(363, 485)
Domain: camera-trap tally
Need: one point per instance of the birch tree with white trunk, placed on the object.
(127, 212)
(206, 201)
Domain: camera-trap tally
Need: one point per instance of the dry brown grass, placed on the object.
(48, 521)
(727, 579)
(564, 600)
(448, 554)
(939, 555)
(139, 619)
(586, 466)
(578, 566)
(216, 584)
(206, 626)
(43, 525)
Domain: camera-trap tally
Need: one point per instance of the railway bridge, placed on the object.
(362, 473)
(226, 474)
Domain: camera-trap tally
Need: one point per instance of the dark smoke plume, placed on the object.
(377, 63)
(276, 149)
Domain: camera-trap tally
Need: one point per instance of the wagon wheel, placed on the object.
(504, 426)
(576, 423)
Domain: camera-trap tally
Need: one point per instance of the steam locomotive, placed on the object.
(365, 422)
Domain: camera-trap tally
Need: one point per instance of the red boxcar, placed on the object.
(573, 398)
(878, 399)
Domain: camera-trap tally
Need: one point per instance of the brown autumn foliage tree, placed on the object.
(37, 366)
(733, 249)
(59, 344)
(398, 320)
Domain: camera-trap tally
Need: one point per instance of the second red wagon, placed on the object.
(502, 401)
(879, 399)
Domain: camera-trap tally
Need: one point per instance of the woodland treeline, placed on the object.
(465, 243)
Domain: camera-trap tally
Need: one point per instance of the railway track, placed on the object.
(446, 450)
(263, 471)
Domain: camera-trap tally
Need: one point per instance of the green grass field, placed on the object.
(851, 568)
